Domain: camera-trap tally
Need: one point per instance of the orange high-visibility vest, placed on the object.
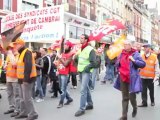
(20, 66)
(11, 70)
(149, 70)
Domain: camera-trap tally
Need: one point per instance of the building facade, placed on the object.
(137, 12)
(146, 25)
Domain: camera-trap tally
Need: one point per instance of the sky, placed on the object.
(152, 4)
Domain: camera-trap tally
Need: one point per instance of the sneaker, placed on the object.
(32, 118)
(40, 100)
(79, 113)
(74, 87)
(103, 82)
(14, 114)
(9, 111)
(134, 113)
(143, 105)
(89, 107)
(53, 96)
(152, 104)
(123, 118)
(60, 105)
(20, 116)
(68, 102)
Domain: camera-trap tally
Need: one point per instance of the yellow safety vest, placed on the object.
(20, 66)
(83, 58)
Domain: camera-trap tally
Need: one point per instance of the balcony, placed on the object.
(81, 12)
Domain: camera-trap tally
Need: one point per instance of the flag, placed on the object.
(105, 29)
(12, 34)
(116, 49)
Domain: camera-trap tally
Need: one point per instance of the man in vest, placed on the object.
(12, 82)
(26, 74)
(149, 74)
(85, 64)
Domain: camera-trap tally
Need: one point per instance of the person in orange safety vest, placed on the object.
(149, 74)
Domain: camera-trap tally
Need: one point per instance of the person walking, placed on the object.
(63, 71)
(46, 68)
(128, 81)
(55, 88)
(149, 74)
(12, 82)
(39, 66)
(26, 74)
(86, 61)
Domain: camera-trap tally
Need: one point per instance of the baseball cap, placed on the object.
(147, 45)
(19, 41)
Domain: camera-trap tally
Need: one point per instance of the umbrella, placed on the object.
(105, 29)
(12, 34)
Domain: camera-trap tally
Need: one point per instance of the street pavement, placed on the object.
(107, 106)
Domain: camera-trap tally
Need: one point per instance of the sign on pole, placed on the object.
(43, 25)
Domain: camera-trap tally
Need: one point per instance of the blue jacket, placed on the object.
(135, 80)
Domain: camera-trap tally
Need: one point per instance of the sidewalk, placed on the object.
(2, 86)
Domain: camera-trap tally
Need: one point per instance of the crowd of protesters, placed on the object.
(29, 72)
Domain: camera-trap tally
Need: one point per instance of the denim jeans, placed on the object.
(39, 86)
(44, 84)
(109, 75)
(63, 85)
(93, 78)
(85, 92)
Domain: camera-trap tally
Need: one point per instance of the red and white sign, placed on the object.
(43, 25)
(105, 29)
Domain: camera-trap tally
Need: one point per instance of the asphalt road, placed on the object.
(107, 106)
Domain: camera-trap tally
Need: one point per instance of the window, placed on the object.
(8, 5)
(28, 6)
(72, 31)
(104, 16)
(88, 11)
(88, 32)
(64, 1)
(78, 7)
(80, 31)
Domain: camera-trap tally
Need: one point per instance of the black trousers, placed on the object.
(74, 79)
(56, 87)
(147, 84)
(126, 97)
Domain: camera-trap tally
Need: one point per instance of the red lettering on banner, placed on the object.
(54, 10)
(19, 15)
(30, 29)
(33, 21)
(49, 19)
(9, 18)
(36, 13)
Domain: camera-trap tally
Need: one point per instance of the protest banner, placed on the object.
(42, 25)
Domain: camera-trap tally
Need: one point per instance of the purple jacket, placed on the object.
(135, 80)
